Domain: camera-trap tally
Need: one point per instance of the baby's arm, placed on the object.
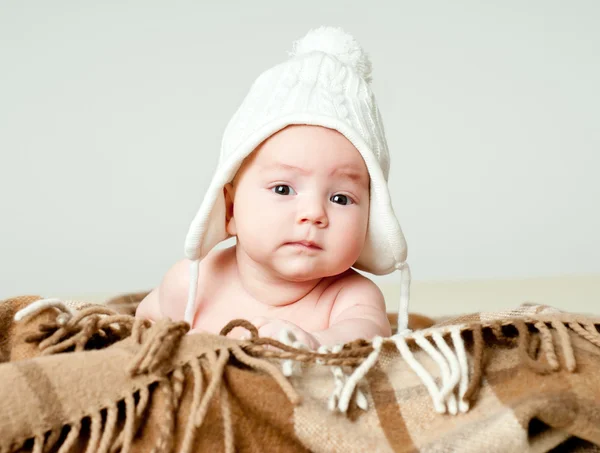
(358, 312)
(149, 307)
(173, 290)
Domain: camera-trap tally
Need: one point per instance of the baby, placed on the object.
(302, 185)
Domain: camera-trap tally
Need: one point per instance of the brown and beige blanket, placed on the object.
(84, 377)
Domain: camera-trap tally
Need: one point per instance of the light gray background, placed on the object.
(111, 115)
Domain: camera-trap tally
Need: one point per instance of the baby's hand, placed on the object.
(272, 328)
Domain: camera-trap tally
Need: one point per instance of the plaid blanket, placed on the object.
(84, 377)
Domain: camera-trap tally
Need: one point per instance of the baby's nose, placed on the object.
(320, 221)
(313, 213)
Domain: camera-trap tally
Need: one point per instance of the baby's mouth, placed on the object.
(305, 244)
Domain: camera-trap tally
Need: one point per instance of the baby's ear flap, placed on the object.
(228, 193)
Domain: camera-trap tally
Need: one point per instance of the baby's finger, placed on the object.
(271, 330)
(259, 321)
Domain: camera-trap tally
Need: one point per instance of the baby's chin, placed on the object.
(297, 271)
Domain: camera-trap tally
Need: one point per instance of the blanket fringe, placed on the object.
(101, 431)
(587, 332)
(51, 440)
(95, 428)
(71, 438)
(475, 382)
(198, 382)
(112, 414)
(165, 440)
(547, 344)
(95, 326)
(463, 365)
(460, 371)
(227, 421)
(38, 444)
(163, 340)
(460, 376)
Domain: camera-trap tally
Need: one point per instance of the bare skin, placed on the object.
(299, 209)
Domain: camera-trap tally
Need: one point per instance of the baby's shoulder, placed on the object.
(353, 287)
(217, 265)
(213, 264)
(352, 279)
(174, 288)
(358, 298)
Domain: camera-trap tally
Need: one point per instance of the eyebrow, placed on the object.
(350, 173)
(346, 171)
(282, 166)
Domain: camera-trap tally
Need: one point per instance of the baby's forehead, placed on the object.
(308, 148)
(308, 144)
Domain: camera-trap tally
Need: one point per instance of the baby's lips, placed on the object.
(306, 243)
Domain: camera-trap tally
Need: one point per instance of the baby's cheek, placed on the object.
(349, 243)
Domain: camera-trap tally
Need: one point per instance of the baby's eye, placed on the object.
(283, 189)
(341, 199)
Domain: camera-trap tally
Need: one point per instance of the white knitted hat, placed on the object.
(326, 82)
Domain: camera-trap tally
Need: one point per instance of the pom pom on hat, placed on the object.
(339, 44)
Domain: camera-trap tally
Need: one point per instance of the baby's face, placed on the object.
(301, 204)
